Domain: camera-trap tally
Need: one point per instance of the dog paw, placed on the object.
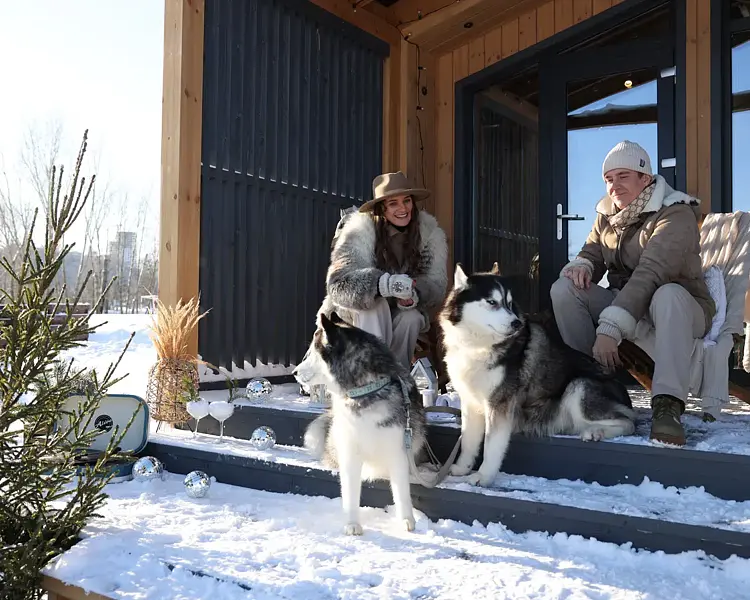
(592, 435)
(353, 529)
(409, 523)
(459, 471)
(480, 479)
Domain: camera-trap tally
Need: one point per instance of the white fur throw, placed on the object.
(715, 282)
(725, 243)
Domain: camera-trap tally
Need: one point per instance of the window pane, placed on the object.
(602, 113)
(740, 119)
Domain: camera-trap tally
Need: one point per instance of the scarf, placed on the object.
(632, 212)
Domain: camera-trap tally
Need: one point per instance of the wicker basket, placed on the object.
(168, 390)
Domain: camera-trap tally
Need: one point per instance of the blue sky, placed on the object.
(87, 64)
(586, 151)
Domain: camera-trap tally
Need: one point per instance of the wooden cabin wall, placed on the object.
(535, 25)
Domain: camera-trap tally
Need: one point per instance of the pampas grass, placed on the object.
(172, 327)
(173, 379)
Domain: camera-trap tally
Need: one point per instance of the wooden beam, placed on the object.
(446, 30)
(182, 109)
(513, 102)
(364, 19)
(57, 590)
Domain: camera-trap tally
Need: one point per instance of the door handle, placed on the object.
(563, 217)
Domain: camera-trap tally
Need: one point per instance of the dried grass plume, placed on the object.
(171, 328)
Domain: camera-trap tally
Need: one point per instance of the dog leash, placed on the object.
(408, 435)
(442, 471)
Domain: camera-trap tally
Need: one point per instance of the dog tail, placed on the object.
(316, 435)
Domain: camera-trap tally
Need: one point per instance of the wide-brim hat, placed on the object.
(389, 185)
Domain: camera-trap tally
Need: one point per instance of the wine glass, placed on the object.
(197, 409)
(221, 410)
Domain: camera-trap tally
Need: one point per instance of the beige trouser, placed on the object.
(673, 322)
(399, 331)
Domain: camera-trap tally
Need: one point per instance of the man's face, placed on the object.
(624, 185)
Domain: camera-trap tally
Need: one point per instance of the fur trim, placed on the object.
(578, 262)
(353, 281)
(663, 196)
(432, 283)
(616, 318)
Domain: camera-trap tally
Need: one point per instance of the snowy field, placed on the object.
(154, 542)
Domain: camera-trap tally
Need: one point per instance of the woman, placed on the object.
(388, 266)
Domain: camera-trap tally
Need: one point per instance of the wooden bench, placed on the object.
(59, 317)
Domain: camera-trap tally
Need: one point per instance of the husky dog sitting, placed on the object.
(364, 433)
(512, 376)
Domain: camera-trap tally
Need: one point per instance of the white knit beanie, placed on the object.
(627, 155)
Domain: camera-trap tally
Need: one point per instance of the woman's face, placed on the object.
(397, 210)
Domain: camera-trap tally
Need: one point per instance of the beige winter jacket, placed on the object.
(663, 247)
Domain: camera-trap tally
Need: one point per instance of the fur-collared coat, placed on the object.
(663, 247)
(352, 279)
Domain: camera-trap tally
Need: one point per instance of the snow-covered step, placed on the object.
(625, 460)
(648, 516)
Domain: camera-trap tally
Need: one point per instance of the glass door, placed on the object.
(594, 99)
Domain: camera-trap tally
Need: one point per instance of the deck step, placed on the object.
(518, 515)
(722, 475)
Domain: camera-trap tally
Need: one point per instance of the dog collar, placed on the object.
(370, 388)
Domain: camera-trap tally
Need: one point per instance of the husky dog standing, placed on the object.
(376, 408)
(512, 377)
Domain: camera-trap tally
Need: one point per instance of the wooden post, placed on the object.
(182, 109)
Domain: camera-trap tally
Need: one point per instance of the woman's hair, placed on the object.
(385, 260)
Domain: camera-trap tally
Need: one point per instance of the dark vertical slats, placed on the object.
(292, 130)
(507, 199)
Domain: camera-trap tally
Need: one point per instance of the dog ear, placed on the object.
(495, 269)
(336, 319)
(325, 322)
(460, 280)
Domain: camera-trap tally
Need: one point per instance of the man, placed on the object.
(646, 238)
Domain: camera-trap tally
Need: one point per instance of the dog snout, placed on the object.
(516, 324)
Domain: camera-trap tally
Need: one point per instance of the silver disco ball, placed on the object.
(258, 387)
(147, 468)
(263, 438)
(196, 484)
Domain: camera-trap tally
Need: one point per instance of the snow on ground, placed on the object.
(105, 345)
(253, 544)
(154, 542)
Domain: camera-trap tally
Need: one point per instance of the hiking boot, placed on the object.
(665, 423)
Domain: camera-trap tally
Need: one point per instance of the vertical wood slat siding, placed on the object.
(292, 133)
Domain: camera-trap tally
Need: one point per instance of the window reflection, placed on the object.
(602, 113)
(740, 119)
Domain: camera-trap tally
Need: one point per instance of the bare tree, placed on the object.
(40, 152)
(16, 216)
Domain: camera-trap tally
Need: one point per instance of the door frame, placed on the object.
(555, 75)
(465, 89)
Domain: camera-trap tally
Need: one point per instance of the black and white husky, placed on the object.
(375, 407)
(512, 376)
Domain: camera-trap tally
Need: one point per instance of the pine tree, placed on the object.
(46, 495)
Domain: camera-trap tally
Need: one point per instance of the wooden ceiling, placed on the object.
(442, 25)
